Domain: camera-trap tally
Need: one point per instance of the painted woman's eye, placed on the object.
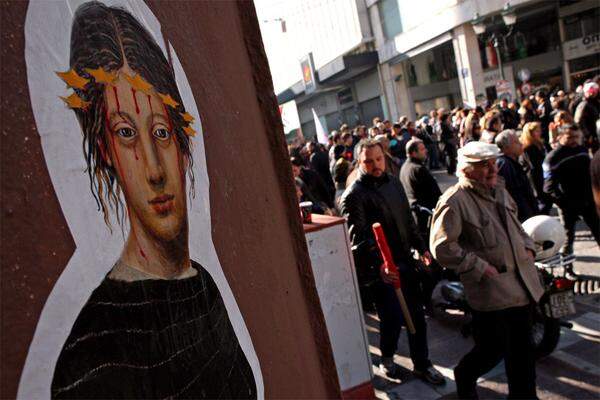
(126, 132)
(161, 134)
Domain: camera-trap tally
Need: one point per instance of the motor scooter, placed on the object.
(557, 302)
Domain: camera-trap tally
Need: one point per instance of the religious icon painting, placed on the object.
(143, 309)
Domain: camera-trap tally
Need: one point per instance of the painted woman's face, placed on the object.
(143, 150)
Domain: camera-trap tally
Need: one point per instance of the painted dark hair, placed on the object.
(109, 37)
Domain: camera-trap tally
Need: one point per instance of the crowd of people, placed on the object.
(528, 134)
(513, 161)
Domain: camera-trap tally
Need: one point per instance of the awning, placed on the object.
(430, 44)
(347, 67)
(333, 74)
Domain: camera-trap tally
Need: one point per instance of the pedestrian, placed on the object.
(560, 118)
(420, 186)
(376, 196)
(448, 137)
(527, 112)
(341, 170)
(532, 159)
(319, 162)
(567, 181)
(472, 130)
(510, 118)
(475, 232)
(492, 125)
(587, 115)
(595, 172)
(515, 179)
(544, 113)
(315, 187)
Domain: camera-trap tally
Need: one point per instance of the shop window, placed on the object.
(439, 65)
(370, 109)
(345, 97)
(573, 28)
(590, 22)
(582, 24)
(532, 35)
(389, 14)
(333, 121)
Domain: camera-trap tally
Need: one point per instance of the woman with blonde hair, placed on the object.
(533, 156)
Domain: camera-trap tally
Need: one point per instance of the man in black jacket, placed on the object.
(420, 186)
(376, 196)
(313, 182)
(587, 114)
(319, 162)
(567, 181)
(516, 180)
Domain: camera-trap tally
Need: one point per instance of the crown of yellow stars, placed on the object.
(100, 76)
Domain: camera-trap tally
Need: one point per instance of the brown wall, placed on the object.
(256, 232)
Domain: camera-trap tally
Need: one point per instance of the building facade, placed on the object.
(431, 57)
(410, 59)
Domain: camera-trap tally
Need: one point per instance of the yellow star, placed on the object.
(72, 79)
(101, 76)
(74, 101)
(187, 117)
(168, 100)
(189, 131)
(138, 83)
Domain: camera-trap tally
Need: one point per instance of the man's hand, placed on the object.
(490, 271)
(388, 276)
(426, 258)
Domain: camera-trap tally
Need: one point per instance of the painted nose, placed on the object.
(154, 170)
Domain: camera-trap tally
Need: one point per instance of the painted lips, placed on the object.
(162, 204)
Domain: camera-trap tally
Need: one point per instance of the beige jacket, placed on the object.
(467, 233)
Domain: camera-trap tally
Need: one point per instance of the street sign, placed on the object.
(524, 74)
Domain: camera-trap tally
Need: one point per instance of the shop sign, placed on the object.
(490, 77)
(308, 73)
(504, 89)
(582, 47)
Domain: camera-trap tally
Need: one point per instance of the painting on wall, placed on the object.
(143, 309)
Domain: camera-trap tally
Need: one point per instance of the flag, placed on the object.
(321, 134)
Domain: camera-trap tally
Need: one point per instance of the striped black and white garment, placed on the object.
(154, 339)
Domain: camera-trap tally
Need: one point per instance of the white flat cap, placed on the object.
(474, 152)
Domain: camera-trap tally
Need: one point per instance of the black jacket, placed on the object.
(567, 177)
(532, 160)
(316, 187)
(517, 184)
(586, 115)
(369, 200)
(319, 162)
(419, 185)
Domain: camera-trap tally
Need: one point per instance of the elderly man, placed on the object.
(515, 178)
(376, 196)
(476, 233)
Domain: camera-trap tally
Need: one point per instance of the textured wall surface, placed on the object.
(256, 229)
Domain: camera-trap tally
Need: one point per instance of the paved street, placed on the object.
(572, 371)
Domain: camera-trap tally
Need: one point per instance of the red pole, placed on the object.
(389, 265)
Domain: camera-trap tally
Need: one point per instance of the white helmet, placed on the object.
(547, 234)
